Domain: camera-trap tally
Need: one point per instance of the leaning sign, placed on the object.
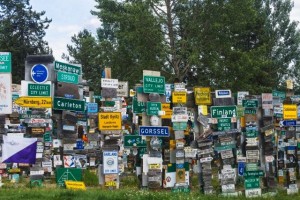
(154, 84)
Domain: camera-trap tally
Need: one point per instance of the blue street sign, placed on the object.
(92, 107)
(39, 73)
(288, 123)
(159, 131)
(241, 168)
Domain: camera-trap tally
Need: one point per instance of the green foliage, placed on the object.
(21, 32)
(243, 45)
(90, 178)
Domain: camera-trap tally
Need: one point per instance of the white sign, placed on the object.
(269, 158)
(223, 93)
(228, 188)
(253, 193)
(180, 118)
(267, 100)
(5, 94)
(122, 90)
(226, 154)
(179, 87)
(68, 128)
(207, 159)
(252, 154)
(180, 110)
(241, 96)
(110, 162)
(109, 83)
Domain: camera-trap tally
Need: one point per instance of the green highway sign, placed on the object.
(68, 104)
(223, 111)
(253, 173)
(134, 141)
(59, 66)
(67, 77)
(250, 103)
(154, 84)
(251, 183)
(219, 147)
(279, 94)
(224, 124)
(5, 62)
(138, 106)
(250, 111)
(39, 90)
(251, 133)
(153, 108)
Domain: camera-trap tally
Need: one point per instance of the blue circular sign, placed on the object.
(39, 73)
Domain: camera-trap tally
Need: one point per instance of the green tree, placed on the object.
(21, 32)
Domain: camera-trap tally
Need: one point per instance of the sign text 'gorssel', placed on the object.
(159, 131)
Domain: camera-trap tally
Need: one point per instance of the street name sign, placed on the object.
(5, 62)
(223, 111)
(223, 93)
(68, 104)
(134, 141)
(67, 77)
(154, 84)
(34, 102)
(39, 90)
(59, 66)
(159, 131)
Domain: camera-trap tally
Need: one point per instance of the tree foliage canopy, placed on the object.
(21, 32)
(242, 45)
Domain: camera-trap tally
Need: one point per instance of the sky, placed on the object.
(71, 16)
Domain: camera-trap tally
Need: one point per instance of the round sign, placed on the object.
(39, 73)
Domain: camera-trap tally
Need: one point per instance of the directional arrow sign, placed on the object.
(34, 102)
(134, 140)
(287, 123)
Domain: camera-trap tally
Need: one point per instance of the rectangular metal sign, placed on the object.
(223, 111)
(154, 84)
(110, 121)
(68, 104)
(159, 131)
(109, 83)
(202, 95)
(5, 62)
(65, 67)
(153, 108)
(39, 90)
(67, 77)
(223, 93)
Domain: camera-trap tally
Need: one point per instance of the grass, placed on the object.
(121, 194)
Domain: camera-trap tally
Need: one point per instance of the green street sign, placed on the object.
(179, 126)
(279, 94)
(224, 124)
(253, 173)
(251, 133)
(154, 84)
(223, 111)
(39, 90)
(47, 137)
(67, 174)
(219, 147)
(5, 62)
(68, 104)
(181, 190)
(67, 77)
(153, 108)
(97, 97)
(250, 103)
(250, 167)
(251, 183)
(142, 151)
(249, 111)
(134, 141)
(138, 106)
(59, 66)
(15, 96)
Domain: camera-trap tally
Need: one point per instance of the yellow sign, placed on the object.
(168, 112)
(154, 166)
(202, 95)
(110, 121)
(202, 109)
(179, 97)
(111, 184)
(34, 102)
(290, 111)
(75, 185)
